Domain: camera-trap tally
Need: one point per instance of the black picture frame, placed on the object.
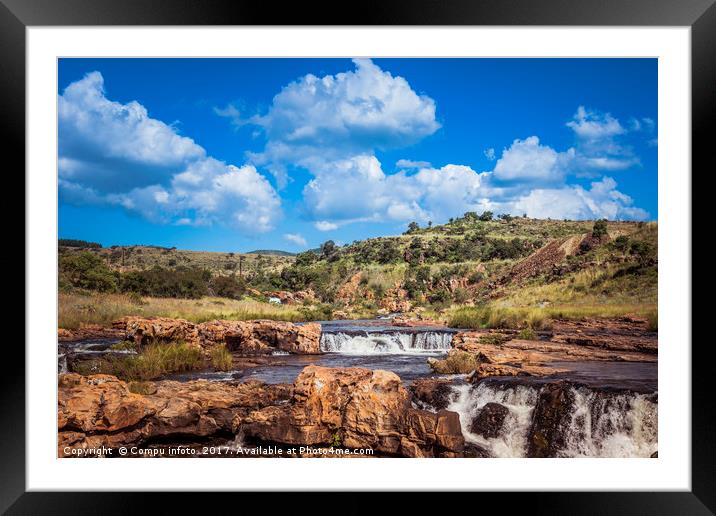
(700, 15)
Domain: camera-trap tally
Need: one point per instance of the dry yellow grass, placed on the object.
(78, 309)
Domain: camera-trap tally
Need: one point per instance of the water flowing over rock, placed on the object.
(260, 336)
(366, 343)
(432, 393)
(361, 407)
(99, 410)
(556, 419)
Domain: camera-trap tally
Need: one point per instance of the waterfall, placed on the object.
(519, 400)
(62, 363)
(367, 343)
(591, 423)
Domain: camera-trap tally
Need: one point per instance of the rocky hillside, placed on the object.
(517, 261)
(606, 268)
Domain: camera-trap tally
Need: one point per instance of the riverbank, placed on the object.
(520, 397)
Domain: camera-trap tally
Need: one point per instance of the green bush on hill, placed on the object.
(85, 270)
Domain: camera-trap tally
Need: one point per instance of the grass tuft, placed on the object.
(456, 362)
(156, 360)
(221, 358)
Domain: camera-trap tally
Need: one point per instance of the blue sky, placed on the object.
(241, 154)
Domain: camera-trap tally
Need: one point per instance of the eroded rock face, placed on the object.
(396, 300)
(489, 420)
(362, 407)
(87, 331)
(432, 392)
(550, 416)
(99, 410)
(261, 336)
(517, 357)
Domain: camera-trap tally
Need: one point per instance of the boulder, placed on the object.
(489, 420)
(550, 418)
(144, 331)
(260, 336)
(365, 408)
(432, 392)
(99, 410)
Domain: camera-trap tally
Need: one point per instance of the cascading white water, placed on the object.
(62, 363)
(621, 425)
(385, 343)
(519, 400)
(617, 425)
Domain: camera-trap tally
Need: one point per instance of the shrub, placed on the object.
(600, 228)
(221, 358)
(228, 286)
(527, 334)
(494, 339)
(456, 362)
(461, 295)
(621, 243)
(86, 271)
(653, 321)
(182, 282)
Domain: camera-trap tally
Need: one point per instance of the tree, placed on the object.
(328, 249)
(486, 216)
(430, 223)
(87, 271)
(413, 227)
(306, 258)
(600, 228)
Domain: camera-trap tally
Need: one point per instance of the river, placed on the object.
(612, 409)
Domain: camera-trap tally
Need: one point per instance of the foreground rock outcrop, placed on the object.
(260, 336)
(100, 411)
(356, 408)
(363, 409)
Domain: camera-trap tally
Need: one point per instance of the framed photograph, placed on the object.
(428, 248)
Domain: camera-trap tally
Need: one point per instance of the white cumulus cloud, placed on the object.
(296, 239)
(325, 225)
(115, 153)
(335, 116)
(527, 160)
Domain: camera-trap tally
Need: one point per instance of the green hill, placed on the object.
(554, 267)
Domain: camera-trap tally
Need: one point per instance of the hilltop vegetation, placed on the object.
(518, 269)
